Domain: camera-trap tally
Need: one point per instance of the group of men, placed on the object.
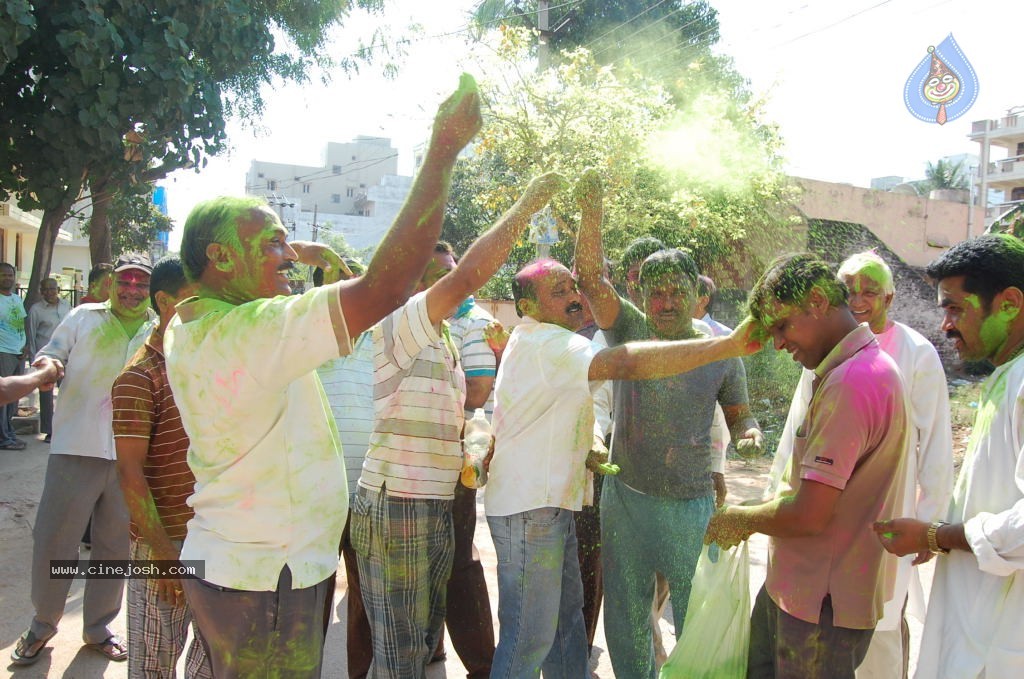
(220, 446)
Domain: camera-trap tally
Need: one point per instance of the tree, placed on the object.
(133, 221)
(945, 174)
(115, 93)
(699, 176)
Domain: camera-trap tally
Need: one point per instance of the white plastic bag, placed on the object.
(717, 628)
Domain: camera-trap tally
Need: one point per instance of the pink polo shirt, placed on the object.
(853, 439)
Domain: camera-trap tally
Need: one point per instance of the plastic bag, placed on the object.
(717, 628)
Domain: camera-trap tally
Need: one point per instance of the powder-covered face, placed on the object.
(558, 301)
(668, 303)
(868, 300)
(633, 289)
(262, 262)
(797, 331)
(130, 294)
(978, 333)
(439, 266)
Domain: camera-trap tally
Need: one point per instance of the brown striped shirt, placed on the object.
(144, 408)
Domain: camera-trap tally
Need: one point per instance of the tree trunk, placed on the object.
(99, 224)
(45, 239)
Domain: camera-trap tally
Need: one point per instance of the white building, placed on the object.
(1005, 174)
(355, 192)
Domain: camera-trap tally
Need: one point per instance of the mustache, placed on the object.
(287, 266)
(953, 334)
(574, 307)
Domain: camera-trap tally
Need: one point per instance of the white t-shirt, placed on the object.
(543, 420)
(94, 347)
(270, 479)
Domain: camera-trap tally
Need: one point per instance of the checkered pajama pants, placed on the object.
(404, 548)
(157, 631)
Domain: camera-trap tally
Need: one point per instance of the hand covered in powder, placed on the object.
(458, 118)
(597, 460)
(589, 189)
(726, 528)
(496, 337)
(751, 444)
(903, 536)
(749, 336)
(52, 371)
(321, 255)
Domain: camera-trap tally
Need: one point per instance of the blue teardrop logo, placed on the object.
(943, 86)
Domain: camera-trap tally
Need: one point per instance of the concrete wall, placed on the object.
(915, 228)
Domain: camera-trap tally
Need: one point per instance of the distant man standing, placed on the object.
(468, 606)
(827, 580)
(12, 350)
(94, 341)
(270, 499)
(43, 318)
(972, 628)
(151, 447)
(99, 281)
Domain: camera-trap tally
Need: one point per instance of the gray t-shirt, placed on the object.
(662, 437)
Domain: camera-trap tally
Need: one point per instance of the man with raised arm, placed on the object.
(656, 509)
(402, 515)
(544, 431)
(270, 498)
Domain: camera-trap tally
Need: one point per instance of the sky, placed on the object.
(832, 74)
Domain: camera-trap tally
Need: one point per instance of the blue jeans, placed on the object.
(640, 535)
(540, 596)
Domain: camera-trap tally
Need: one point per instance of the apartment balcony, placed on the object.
(1007, 131)
(996, 212)
(1006, 174)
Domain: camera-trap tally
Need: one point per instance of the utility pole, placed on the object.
(315, 228)
(543, 56)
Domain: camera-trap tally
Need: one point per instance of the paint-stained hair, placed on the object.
(639, 250)
(354, 265)
(169, 277)
(674, 263)
(789, 280)
(100, 271)
(869, 263)
(989, 265)
(524, 284)
(213, 221)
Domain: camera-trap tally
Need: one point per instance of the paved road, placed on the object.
(21, 480)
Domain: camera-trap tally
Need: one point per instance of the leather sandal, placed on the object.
(27, 650)
(113, 648)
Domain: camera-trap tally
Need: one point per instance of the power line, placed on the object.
(624, 23)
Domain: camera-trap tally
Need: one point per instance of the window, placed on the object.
(362, 186)
(335, 197)
(350, 192)
(306, 188)
(272, 185)
(336, 169)
(353, 157)
(259, 175)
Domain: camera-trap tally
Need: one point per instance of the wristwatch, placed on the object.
(933, 542)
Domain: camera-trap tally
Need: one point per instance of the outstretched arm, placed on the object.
(407, 247)
(604, 301)
(654, 360)
(45, 374)
(488, 252)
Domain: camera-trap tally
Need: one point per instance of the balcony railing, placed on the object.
(1006, 166)
(1013, 122)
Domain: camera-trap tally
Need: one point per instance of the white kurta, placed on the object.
(929, 468)
(973, 628)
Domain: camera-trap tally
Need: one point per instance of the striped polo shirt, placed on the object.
(144, 408)
(418, 394)
(475, 356)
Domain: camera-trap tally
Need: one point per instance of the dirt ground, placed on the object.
(21, 480)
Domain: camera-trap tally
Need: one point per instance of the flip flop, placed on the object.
(21, 656)
(114, 648)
